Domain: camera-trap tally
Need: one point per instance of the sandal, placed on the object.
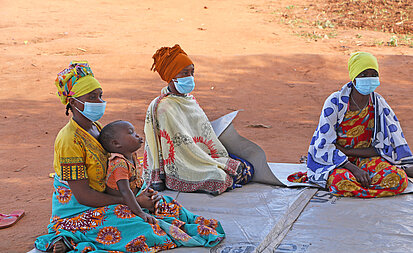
(8, 220)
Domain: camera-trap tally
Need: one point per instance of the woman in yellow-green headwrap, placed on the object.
(84, 217)
(82, 95)
(358, 148)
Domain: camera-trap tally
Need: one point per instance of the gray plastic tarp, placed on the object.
(331, 224)
(251, 216)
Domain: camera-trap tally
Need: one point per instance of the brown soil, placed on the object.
(247, 56)
(393, 16)
(360, 22)
(376, 15)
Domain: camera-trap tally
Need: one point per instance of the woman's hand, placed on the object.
(149, 199)
(154, 196)
(361, 176)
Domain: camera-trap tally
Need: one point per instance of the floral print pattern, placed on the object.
(63, 195)
(108, 235)
(178, 234)
(157, 229)
(137, 244)
(123, 212)
(83, 222)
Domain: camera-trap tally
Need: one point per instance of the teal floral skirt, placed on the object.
(115, 228)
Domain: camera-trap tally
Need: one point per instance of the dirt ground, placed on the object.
(247, 56)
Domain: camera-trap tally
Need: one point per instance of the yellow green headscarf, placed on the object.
(75, 81)
(359, 62)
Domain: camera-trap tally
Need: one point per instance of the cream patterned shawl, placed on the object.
(182, 149)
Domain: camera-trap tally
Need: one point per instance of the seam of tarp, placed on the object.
(281, 228)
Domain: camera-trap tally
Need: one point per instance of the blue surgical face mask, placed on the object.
(366, 85)
(92, 111)
(184, 85)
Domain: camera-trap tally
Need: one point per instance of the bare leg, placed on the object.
(248, 150)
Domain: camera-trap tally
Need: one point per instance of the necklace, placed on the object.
(352, 99)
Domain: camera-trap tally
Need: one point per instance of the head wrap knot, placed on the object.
(75, 81)
(361, 61)
(169, 61)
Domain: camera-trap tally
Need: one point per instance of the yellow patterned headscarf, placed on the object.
(359, 62)
(75, 81)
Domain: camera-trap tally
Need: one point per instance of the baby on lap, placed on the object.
(124, 174)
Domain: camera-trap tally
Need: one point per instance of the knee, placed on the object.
(397, 178)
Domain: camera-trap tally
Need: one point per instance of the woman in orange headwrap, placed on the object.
(181, 150)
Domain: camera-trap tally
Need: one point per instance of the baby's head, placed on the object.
(120, 137)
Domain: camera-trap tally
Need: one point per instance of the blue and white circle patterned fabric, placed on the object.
(388, 137)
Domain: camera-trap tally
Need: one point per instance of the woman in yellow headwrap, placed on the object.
(84, 217)
(82, 95)
(358, 148)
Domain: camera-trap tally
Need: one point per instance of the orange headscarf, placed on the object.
(169, 61)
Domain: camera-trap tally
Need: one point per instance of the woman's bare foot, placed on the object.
(60, 247)
(409, 170)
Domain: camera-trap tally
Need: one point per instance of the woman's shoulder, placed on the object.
(333, 98)
(341, 94)
(379, 100)
(377, 95)
(66, 143)
(333, 95)
(157, 100)
(71, 134)
(162, 101)
(67, 133)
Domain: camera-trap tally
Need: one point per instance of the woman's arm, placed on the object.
(362, 176)
(358, 152)
(131, 201)
(89, 197)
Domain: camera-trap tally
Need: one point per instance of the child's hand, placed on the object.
(135, 203)
(148, 218)
(148, 199)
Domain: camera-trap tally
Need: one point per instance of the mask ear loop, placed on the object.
(78, 100)
(76, 107)
(175, 81)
